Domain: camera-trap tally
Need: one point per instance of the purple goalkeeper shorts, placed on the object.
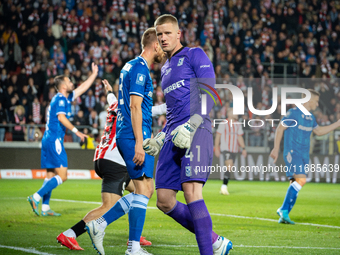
(176, 166)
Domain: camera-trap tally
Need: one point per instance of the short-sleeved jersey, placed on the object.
(107, 148)
(229, 136)
(297, 138)
(134, 79)
(59, 105)
(181, 87)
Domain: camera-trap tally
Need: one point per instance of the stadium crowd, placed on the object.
(44, 38)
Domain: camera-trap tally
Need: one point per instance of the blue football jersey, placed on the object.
(59, 104)
(183, 78)
(297, 138)
(134, 79)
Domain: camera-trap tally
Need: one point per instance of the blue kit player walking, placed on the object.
(297, 130)
(134, 120)
(53, 154)
(188, 137)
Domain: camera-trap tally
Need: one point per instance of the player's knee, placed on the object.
(63, 177)
(163, 205)
(301, 181)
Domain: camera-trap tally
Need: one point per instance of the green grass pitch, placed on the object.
(316, 204)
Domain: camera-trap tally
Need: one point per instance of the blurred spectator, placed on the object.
(3, 121)
(256, 127)
(20, 121)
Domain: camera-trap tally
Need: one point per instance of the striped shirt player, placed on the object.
(110, 166)
(228, 140)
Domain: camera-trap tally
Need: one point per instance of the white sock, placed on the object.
(217, 243)
(102, 223)
(45, 207)
(70, 233)
(133, 246)
(36, 197)
(224, 186)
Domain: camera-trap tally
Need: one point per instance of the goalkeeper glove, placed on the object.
(153, 146)
(183, 133)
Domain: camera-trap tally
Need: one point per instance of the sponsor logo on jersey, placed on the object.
(204, 66)
(180, 62)
(167, 71)
(61, 103)
(150, 94)
(305, 128)
(140, 79)
(174, 86)
(127, 67)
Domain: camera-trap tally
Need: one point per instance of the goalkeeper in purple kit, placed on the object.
(188, 142)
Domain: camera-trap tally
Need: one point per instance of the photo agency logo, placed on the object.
(238, 100)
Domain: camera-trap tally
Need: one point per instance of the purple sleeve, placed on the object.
(204, 71)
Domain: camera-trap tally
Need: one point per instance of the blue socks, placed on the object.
(291, 196)
(119, 209)
(50, 185)
(136, 220)
(47, 196)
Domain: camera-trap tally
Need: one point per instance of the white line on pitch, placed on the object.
(214, 214)
(193, 246)
(28, 250)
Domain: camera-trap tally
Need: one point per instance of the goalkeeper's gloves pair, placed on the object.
(182, 136)
(153, 146)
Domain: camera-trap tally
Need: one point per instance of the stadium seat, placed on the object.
(68, 139)
(8, 137)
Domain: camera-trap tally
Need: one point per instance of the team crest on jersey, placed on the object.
(141, 79)
(61, 103)
(188, 171)
(150, 94)
(180, 62)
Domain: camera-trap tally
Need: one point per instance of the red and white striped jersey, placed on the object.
(229, 134)
(107, 148)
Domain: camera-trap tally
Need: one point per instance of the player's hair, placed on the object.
(313, 92)
(149, 37)
(166, 18)
(59, 80)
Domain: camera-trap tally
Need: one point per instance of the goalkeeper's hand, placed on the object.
(183, 134)
(153, 146)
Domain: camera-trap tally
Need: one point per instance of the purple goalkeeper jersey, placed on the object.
(184, 78)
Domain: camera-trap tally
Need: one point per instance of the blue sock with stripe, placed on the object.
(291, 196)
(47, 196)
(119, 209)
(137, 215)
(49, 185)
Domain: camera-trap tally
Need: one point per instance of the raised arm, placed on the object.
(86, 84)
